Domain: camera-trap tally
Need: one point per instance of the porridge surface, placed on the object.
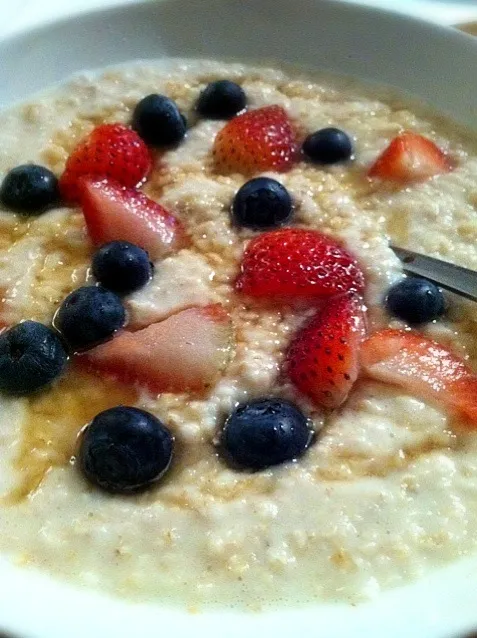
(389, 490)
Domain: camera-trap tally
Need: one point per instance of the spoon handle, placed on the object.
(457, 279)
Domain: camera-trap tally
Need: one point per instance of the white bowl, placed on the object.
(434, 63)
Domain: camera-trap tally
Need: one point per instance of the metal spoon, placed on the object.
(457, 279)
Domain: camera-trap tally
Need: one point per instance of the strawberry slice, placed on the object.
(113, 212)
(298, 262)
(187, 351)
(323, 358)
(424, 367)
(111, 150)
(260, 140)
(410, 158)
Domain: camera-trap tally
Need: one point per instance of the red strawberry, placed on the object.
(322, 360)
(298, 262)
(410, 158)
(423, 367)
(115, 212)
(187, 351)
(260, 140)
(111, 150)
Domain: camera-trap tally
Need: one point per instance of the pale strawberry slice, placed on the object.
(410, 158)
(424, 368)
(260, 140)
(298, 263)
(323, 358)
(187, 351)
(111, 150)
(113, 212)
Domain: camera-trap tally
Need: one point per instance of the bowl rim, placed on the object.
(442, 612)
(349, 6)
(459, 42)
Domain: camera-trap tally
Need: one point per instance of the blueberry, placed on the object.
(89, 315)
(122, 267)
(31, 357)
(415, 300)
(262, 203)
(29, 189)
(125, 449)
(158, 121)
(221, 100)
(264, 433)
(328, 146)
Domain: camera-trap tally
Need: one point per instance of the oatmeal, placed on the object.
(383, 487)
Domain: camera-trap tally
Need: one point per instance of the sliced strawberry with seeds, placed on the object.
(259, 140)
(111, 150)
(410, 158)
(423, 367)
(187, 351)
(113, 212)
(323, 358)
(298, 263)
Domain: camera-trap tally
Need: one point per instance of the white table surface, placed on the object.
(21, 14)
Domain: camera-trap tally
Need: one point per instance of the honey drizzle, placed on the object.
(54, 420)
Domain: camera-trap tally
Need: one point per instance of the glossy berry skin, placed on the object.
(31, 357)
(125, 449)
(264, 433)
(183, 353)
(296, 262)
(158, 121)
(122, 267)
(323, 357)
(221, 100)
(262, 203)
(115, 213)
(423, 368)
(90, 315)
(29, 189)
(415, 300)
(111, 151)
(410, 158)
(264, 139)
(328, 146)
